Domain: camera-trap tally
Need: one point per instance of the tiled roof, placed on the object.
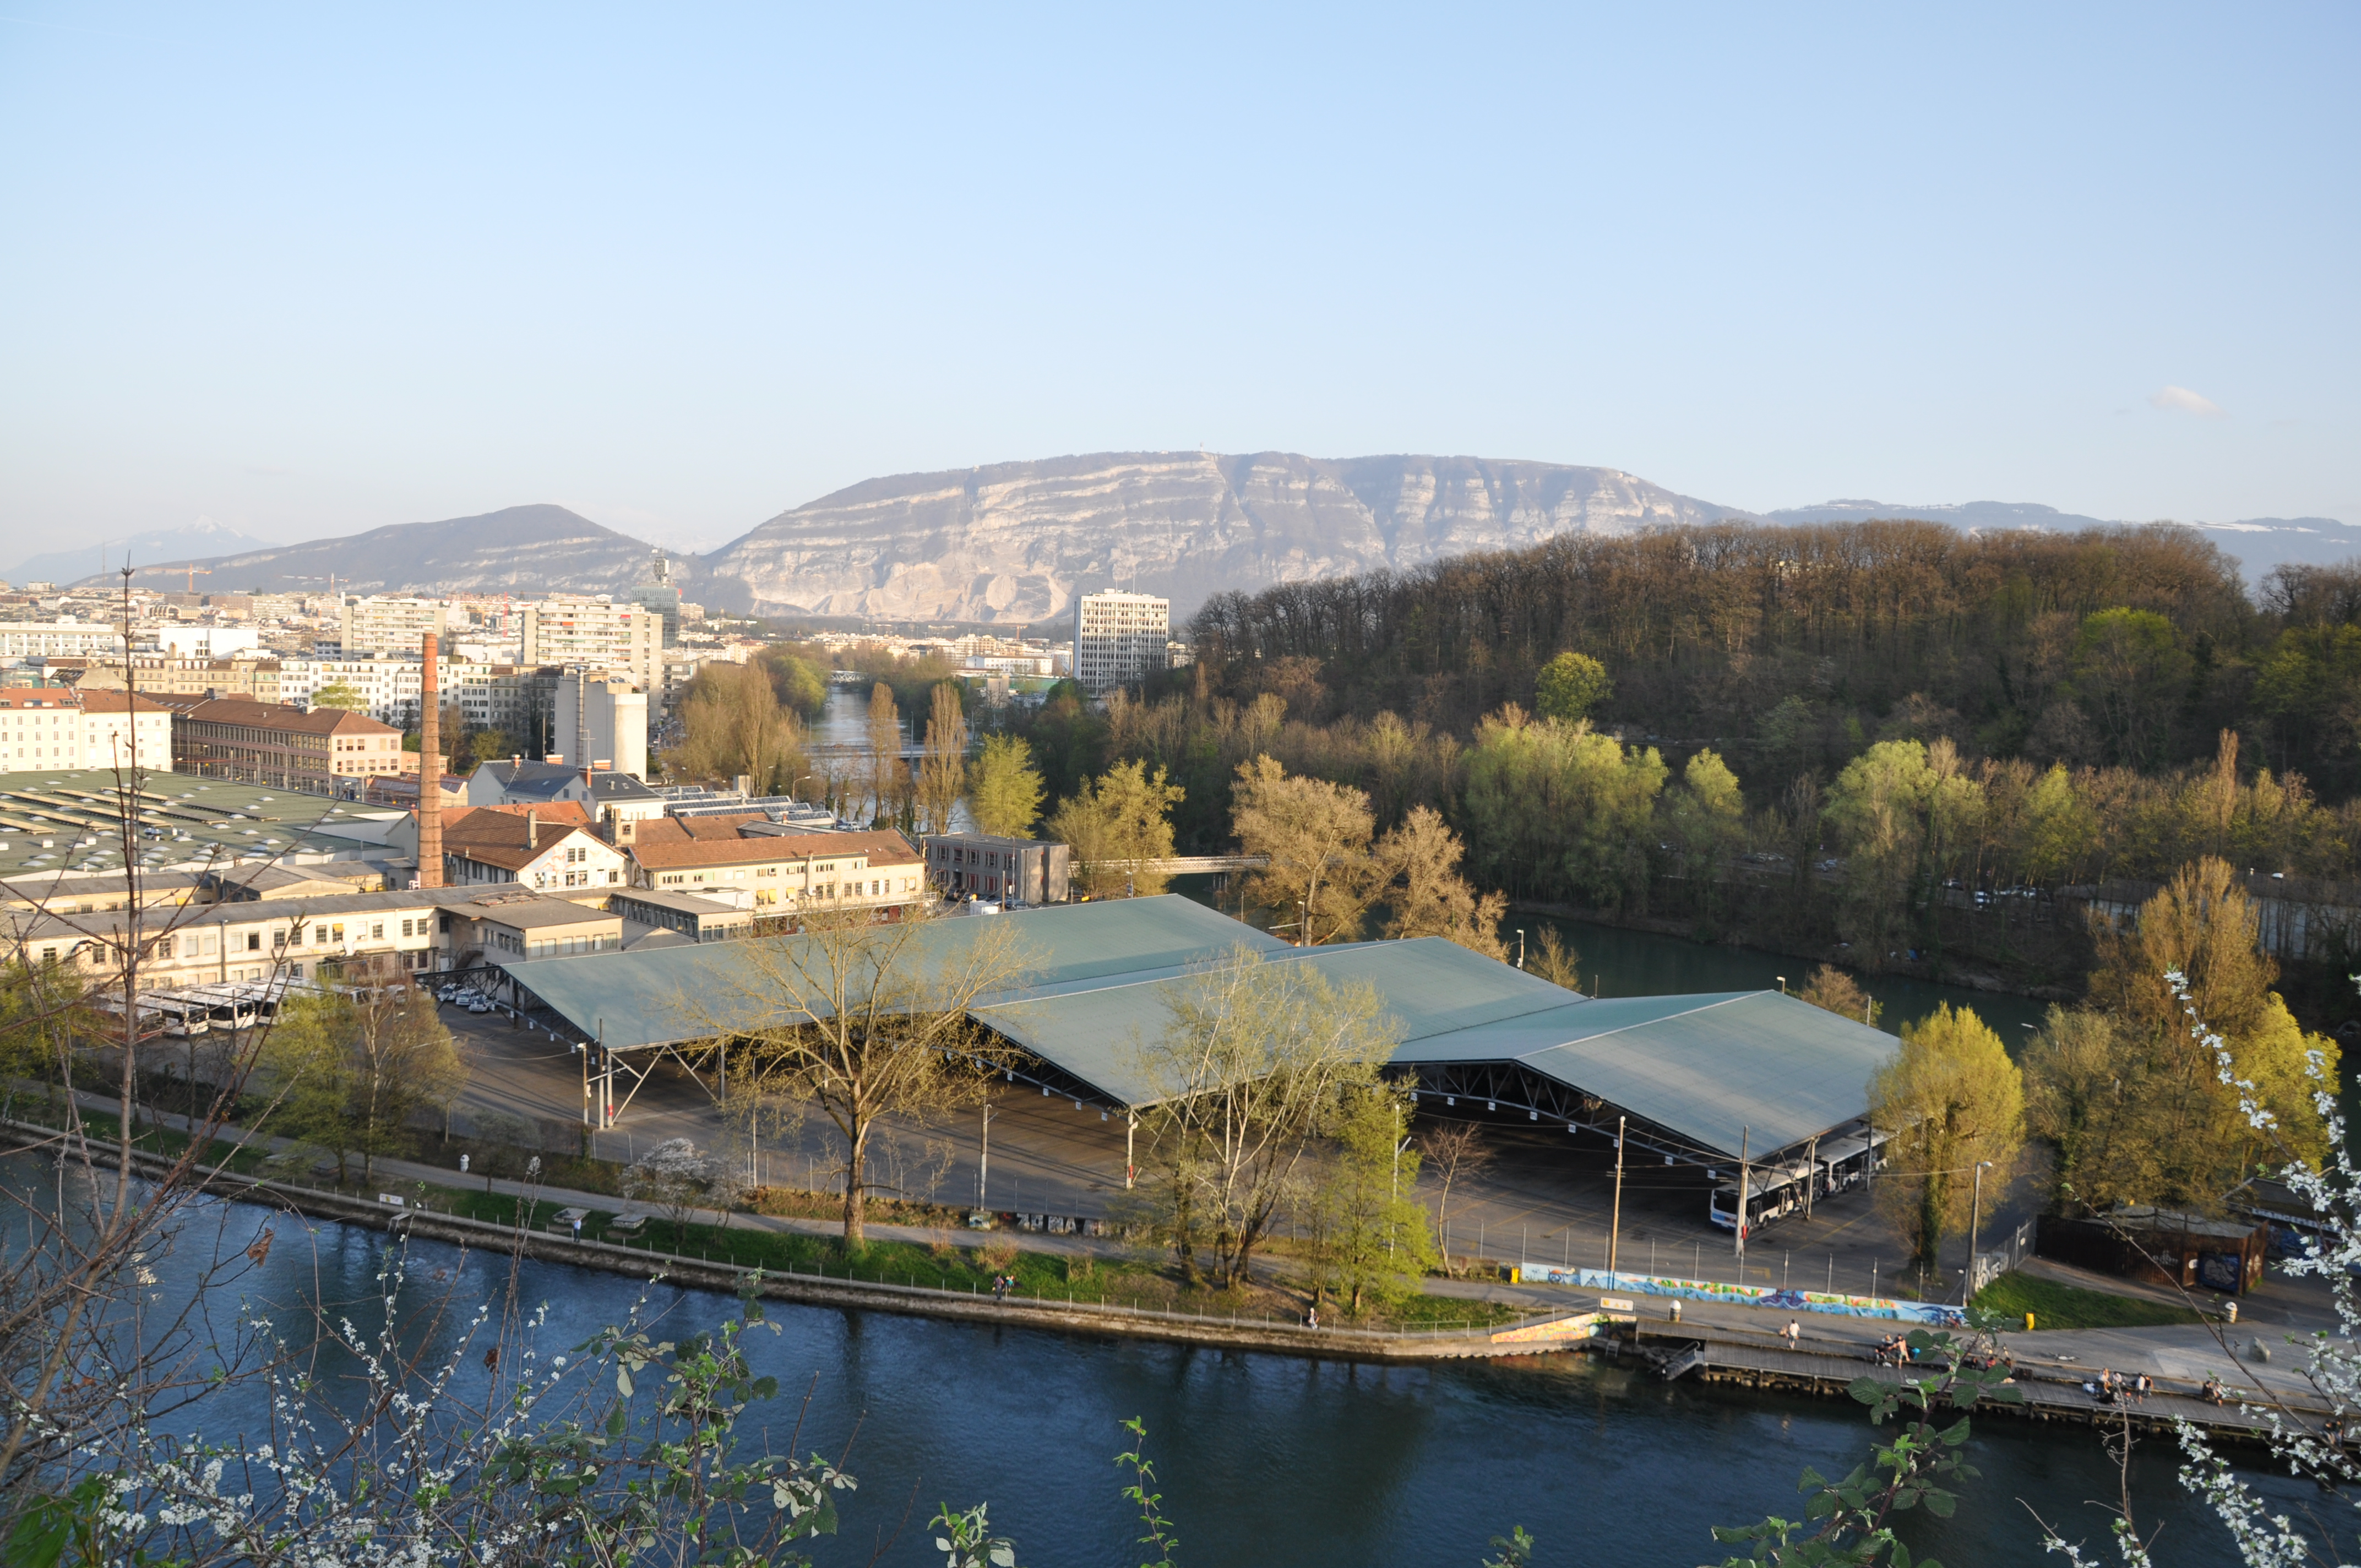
(887, 848)
(499, 823)
(278, 716)
(107, 699)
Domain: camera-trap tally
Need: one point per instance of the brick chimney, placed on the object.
(531, 828)
(430, 773)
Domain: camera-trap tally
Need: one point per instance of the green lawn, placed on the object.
(1052, 1275)
(2056, 1306)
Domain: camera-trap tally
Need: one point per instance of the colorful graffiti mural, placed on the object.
(1931, 1314)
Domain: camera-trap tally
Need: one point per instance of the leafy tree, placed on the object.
(1570, 685)
(351, 1066)
(732, 724)
(1705, 821)
(1004, 789)
(2130, 674)
(867, 1022)
(799, 684)
(1252, 1066)
(942, 771)
(2134, 1105)
(1950, 1098)
(1117, 826)
(890, 784)
(1373, 1239)
(1425, 894)
(1554, 960)
(1906, 814)
(338, 694)
(1315, 837)
(1560, 811)
(680, 1179)
(1836, 991)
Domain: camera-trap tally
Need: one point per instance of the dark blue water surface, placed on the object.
(1263, 1459)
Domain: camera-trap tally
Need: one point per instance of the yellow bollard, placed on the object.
(2029, 1322)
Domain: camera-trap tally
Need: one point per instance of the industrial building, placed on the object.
(1713, 1082)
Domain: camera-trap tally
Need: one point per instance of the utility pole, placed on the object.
(1521, 947)
(1975, 1212)
(1745, 1200)
(1130, 1129)
(1615, 1221)
(1811, 1173)
(984, 1158)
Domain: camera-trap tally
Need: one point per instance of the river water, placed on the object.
(1268, 1460)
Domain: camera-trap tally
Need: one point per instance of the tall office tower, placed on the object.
(1119, 639)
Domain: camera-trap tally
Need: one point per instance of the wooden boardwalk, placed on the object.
(2050, 1394)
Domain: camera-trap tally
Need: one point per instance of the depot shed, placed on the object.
(1703, 1079)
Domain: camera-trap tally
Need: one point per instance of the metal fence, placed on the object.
(2014, 1248)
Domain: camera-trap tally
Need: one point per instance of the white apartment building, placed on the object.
(391, 689)
(598, 634)
(372, 624)
(45, 727)
(1119, 639)
(203, 640)
(500, 695)
(58, 639)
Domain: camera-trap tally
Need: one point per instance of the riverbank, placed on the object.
(1735, 1345)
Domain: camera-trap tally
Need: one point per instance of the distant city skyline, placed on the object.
(309, 274)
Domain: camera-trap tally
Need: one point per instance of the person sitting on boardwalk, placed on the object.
(2144, 1387)
(2213, 1390)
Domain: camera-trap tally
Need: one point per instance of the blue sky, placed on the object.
(311, 269)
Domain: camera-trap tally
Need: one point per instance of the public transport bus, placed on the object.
(1847, 1162)
(1773, 1191)
(179, 1015)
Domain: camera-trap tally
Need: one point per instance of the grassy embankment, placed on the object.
(967, 1267)
(2057, 1306)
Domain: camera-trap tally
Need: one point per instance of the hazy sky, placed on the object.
(310, 269)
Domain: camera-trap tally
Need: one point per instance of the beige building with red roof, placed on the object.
(752, 862)
(325, 750)
(61, 728)
(550, 849)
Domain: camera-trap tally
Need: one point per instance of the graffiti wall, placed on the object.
(1928, 1314)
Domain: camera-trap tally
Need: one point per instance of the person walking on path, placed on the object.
(1312, 1318)
(1792, 1334)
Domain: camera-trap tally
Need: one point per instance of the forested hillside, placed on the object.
(1832, 733)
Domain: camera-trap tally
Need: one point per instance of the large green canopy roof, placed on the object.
(1755, 1069)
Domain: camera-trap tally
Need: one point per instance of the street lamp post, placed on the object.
(1521, 947)
(1975, 1212)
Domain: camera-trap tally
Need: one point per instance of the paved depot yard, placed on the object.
(1546, 1197)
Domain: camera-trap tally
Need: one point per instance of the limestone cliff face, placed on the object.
(1014, 542)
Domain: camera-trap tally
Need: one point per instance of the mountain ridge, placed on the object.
(1012, 543)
